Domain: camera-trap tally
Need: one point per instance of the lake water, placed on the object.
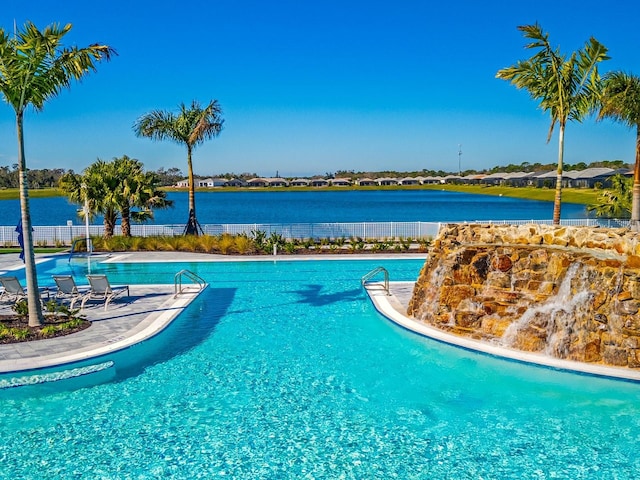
(316, 207)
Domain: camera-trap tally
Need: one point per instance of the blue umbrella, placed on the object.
(21, 239)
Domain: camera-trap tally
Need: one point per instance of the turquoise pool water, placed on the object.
(285, 371)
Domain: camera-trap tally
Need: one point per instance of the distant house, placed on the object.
(340, 182)
(236, 182)
(257, 182)
(385, 181)
(211, 182)
(587, 178)
(518, 179)
(277, 182)
(409, 181)
(319, 182)
(496, 178)
(300, 182)
(183, 183)
(472, 179)
(451, 179)
(366, 182)
(432, 180)
(543, 179)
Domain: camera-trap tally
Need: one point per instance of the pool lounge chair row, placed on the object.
(99, 289)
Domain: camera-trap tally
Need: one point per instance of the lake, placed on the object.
(316, 207)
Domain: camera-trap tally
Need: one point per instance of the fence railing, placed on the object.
(63, 235)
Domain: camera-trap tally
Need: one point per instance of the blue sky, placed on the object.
(314, 87)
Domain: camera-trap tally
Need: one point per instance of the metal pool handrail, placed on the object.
(375, 272)
(195, 279)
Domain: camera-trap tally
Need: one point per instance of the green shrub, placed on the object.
(4, 332)
(380, 246)
(20, 333)
(208, 243)
(356, 245)
(226, 244)
(244, 245)
(49, 331)
(21, 308)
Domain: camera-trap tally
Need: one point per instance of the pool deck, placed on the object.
(394, 305)
(128, 320)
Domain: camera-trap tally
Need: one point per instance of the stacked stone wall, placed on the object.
(570, 292)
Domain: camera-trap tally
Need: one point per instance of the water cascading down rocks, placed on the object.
(569, 292)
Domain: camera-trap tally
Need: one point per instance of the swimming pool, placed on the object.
(284, 370)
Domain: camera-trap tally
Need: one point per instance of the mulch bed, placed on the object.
(35, 333)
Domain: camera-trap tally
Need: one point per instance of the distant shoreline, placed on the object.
(582, 196)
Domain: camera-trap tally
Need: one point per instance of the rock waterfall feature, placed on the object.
(569, 292)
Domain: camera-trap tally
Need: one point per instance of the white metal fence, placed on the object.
(64, 235)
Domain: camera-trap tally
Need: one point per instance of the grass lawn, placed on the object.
(36, 250)
(583, 196)
(14, 193)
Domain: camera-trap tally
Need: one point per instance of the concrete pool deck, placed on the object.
(394, 305)
(128, 320)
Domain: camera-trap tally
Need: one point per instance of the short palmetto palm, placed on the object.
(568, 88)
(119, 187)
(621, 102)
(191, 126)
(34, 67)
(614, 202)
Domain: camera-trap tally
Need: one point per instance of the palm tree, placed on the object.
(138, 194)
(34, 67)
(568, 88)
(190, 127)
(621, 102)
(117, 188)
(616, 201)
(95, 186)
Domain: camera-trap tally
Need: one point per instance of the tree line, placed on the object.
(50, 178)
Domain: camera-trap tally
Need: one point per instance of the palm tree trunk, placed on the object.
(125, 223)
(635, 202)
(192, 187)
(192, 227)
(33, 293)
(557, 202)
(109, 224)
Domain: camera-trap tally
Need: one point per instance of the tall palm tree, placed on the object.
(190, 127)
(621, 102)
(34, 67)
(568, 88)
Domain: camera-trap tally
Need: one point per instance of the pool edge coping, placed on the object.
(390, 308)
(154, 323)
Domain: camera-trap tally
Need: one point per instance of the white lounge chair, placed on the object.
(67, 289)
(101, 290)
(13, 290)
